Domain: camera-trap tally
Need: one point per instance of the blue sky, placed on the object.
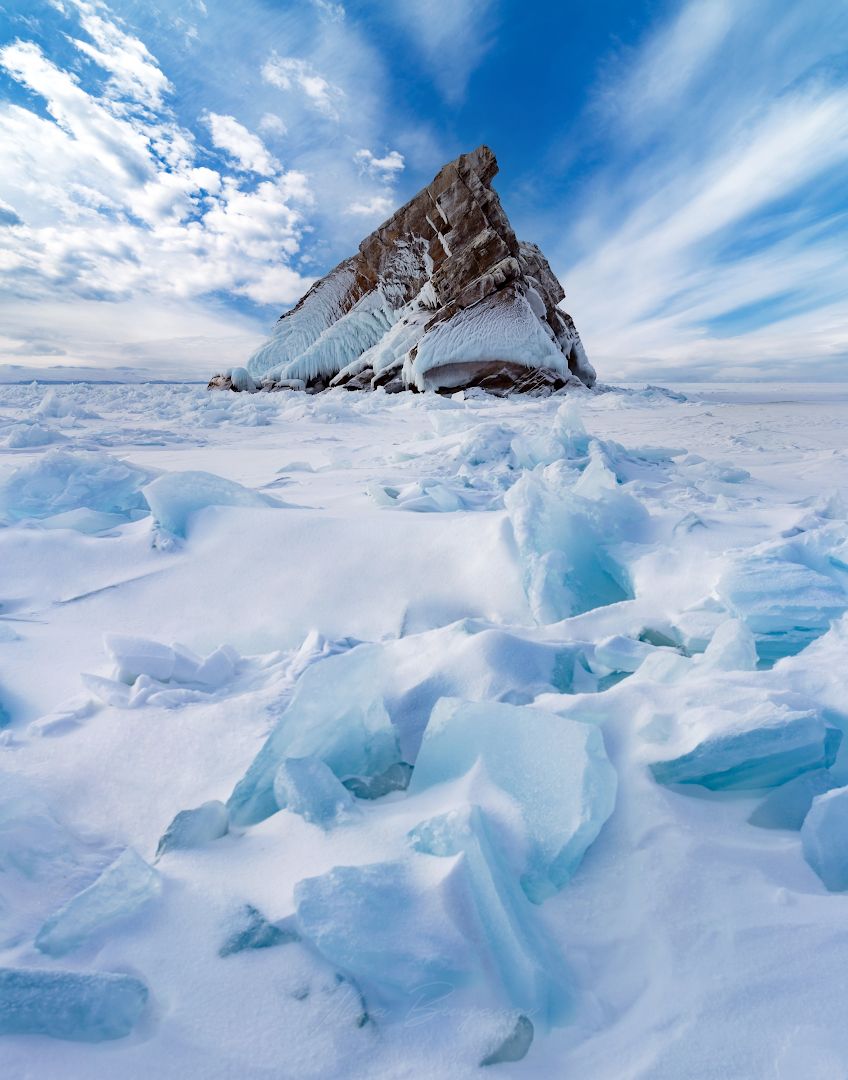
(174, 173)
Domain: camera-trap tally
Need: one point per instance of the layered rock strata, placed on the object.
(442, 296)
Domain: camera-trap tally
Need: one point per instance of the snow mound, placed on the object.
(174, 497)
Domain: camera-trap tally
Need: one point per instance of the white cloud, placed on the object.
(134, 71)
(242, 145)
(329, 11)
(272, 124)
(113, 202)
(292, 73)
(386, 168)
(379, 206)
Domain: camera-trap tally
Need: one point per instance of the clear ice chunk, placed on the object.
(194, 828)
(515, 1046)
(824, 838)
(74, 1005)
(775, 745)
(788, 805)
(337, 715)
(308, 787)
(121, 890)
(555, 769)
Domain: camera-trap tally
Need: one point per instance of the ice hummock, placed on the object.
(70, 480)
(75, 1005)
(766, 748)
(474, 931)
(556, 771)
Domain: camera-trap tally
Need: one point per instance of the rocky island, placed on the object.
(442, 296)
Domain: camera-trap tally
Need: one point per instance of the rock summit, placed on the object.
(442, 296)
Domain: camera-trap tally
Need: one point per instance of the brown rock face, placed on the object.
(442, 296)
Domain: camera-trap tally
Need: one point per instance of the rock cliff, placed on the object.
(442, 296)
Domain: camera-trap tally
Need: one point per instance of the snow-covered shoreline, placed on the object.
(664, 572)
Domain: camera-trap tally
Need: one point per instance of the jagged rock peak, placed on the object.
(442, 296)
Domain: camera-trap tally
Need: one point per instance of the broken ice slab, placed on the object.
(788, 805)
(731, 648)
(251, 930)
(337, 715)
(824, 838)
(555, 769)
(308, 787)
(121, 890)
(567, 530)
(194, 828)
(785, 604)
(80, 1006)
(420, 930)
(174, 497)
(395, 778)
(504, 930)
(770, 746)
(135, 656)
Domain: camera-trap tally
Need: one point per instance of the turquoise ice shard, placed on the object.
(788, 805)
(421, 929)
(569, 529)
(196, 827)
(121, 890)
(505, 930)
(555, 769)
(775, 745)
(337, 715)
(824, 838)
(80, 1006)
(308, 787)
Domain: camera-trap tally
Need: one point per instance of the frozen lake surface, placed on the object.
(368, 736)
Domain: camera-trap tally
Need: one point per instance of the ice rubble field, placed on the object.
(411, 736)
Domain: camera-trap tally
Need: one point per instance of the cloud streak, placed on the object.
(720, 251)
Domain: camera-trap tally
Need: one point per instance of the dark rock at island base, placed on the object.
(442, 296)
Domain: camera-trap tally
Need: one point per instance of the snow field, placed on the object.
(404, 736)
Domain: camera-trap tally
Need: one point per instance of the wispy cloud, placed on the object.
(386, 168)
(294, 73)
(450, 38)
(708, 237)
